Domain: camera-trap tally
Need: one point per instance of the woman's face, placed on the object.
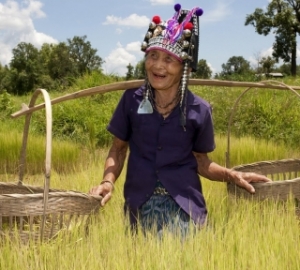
(164, 71)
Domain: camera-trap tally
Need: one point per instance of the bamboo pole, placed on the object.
(137, 83)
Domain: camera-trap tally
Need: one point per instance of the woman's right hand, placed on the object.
(105, 190)
(113, 166)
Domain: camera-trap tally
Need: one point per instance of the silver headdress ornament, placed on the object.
(178, 36)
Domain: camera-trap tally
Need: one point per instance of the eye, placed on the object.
(153, 55)
(170, 59)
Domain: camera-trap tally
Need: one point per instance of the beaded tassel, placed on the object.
(184, 80)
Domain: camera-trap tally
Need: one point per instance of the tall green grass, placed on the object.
(242, 234)
(66, 156)
(244, 150)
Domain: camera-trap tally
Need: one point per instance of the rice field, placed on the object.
(242, 234)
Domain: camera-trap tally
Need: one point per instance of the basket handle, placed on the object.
(266, 83)
(48, 110)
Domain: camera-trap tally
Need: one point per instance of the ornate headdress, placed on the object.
(178, 36)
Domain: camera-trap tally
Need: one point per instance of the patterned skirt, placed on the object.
(161, 213)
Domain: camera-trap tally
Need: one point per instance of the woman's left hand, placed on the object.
(242, 179)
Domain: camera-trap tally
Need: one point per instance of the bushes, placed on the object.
(262, 113)
(271, 115)
(82, 120)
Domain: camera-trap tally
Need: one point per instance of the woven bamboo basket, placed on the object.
(284, 173)
(33, 213)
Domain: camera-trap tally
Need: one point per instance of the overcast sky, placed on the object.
(116, 28)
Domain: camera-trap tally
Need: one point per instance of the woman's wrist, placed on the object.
(229, 176)
(108, 181)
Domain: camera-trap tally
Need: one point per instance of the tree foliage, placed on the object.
(283, 17)
(139, 70)
(267, 64)
(4, 78)
(54, 65)
(236, 65)
(203, 70)
(60, 66)
(129, 74)
(25, 71)
(82, 54)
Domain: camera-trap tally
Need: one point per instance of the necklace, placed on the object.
(160, 109)
(175, 99)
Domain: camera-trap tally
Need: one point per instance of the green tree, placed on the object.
(236, 65)
(283, 17)
(25, 70)
(268, 64)
(4, 78)
(129, 74)
(84, 57)
(45, 56)
(139, 70)
(61, 67)
(285, 69)
(203, 70)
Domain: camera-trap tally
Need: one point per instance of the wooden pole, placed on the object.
(137, 83)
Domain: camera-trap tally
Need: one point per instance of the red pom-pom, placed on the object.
(188, 26)
(156, 19)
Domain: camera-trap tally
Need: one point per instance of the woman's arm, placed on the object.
(112, 169)
(215, 172)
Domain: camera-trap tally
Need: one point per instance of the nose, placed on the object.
(159, 63)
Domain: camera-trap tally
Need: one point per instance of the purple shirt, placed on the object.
(161, 149)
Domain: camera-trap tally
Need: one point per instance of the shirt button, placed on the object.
(159, 148)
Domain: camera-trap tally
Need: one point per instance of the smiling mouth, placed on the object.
(159, 76)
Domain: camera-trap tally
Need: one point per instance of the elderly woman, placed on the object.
(169, 132)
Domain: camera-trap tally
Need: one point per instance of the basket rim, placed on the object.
(267, 162)
(270, 163)
(273, 183)
(52, 194)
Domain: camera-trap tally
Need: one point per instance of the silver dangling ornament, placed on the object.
(145, 106)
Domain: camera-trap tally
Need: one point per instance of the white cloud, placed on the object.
(16, 26)
(221, 11)
(161, 2)
(133, 20)
(258, 56)
(119, 31)
(267, 52)
(134, 46)
(212, 69)
(117, 60)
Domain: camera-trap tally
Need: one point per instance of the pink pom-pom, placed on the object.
(177, 7)
(156, 19)
(199, 12)
(188, 26)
